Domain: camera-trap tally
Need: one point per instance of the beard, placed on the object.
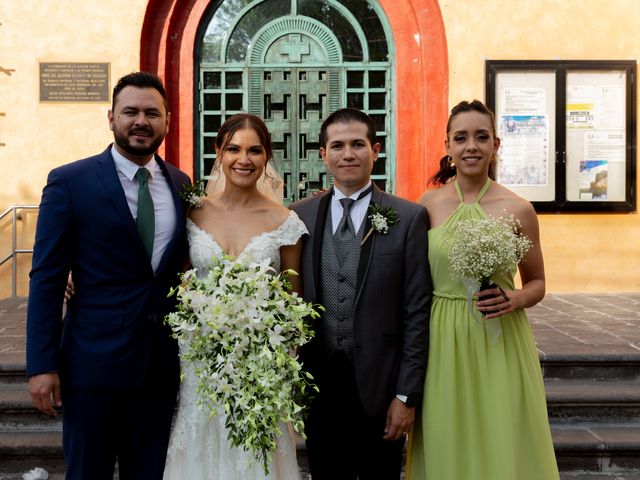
(122, 140)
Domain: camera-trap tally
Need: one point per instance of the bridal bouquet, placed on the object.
(482, 248)
(238, 327)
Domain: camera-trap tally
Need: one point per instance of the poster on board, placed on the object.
(524, 150)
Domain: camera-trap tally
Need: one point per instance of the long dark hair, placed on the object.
(447, 169)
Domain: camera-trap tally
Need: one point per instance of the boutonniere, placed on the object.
(382, 218)
(192, 194)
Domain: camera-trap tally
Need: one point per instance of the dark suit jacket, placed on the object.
(392, 303)
(114, 324)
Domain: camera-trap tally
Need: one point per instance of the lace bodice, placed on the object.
(203, 246)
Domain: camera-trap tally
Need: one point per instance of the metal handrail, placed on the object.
(13, 209)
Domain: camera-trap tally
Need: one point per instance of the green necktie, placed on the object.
(146, 218)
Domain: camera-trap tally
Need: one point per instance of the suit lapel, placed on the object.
(108, 176)
(321, 218)
(366, 251)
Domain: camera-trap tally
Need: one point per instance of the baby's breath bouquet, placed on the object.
(382, 218)
(482, 248)
(237, 326)
(193, 194)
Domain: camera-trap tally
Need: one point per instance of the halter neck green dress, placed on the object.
(484, 414)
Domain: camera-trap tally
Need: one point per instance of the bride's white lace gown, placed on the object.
(198, 448)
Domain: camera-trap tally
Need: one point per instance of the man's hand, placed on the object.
(399, 420)
(45, 392)
(70, 291)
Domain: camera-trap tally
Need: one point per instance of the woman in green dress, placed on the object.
(484, 414)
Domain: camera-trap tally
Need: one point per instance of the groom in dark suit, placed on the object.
(369, 354)
(116, 221)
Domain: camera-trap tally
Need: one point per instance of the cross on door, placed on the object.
(295, 48)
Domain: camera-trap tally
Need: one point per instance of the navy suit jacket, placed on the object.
(113, 331)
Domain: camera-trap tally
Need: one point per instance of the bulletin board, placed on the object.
(567, 131)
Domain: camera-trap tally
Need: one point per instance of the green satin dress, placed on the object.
(484, 414)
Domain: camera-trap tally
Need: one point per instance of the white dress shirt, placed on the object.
(163, 206)
(358, 210)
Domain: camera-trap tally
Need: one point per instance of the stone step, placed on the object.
(580, 448)
(570, 401)
(23, 450)
(12, 372)
(598, 476)
(18, 413)
(591, 366)
(593, 401)
(19, 476)
(596, 447)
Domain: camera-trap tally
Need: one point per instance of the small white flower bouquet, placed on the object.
(382, 218)
(193, 194)
(239, 326)
(482, 248)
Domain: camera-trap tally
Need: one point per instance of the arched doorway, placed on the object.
(172, 31)
(293, 62)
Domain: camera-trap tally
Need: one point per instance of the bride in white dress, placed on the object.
(243, 223)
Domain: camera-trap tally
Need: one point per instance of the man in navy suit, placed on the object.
(116, 221)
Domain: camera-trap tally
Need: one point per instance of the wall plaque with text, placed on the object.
(74, 82)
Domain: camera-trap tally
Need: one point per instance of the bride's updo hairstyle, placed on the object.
(238, 122)
(447, 167)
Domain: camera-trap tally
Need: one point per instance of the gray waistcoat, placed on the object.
(339, 290)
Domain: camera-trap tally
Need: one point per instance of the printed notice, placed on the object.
(611, 104)
(581, 107)
(608, 146)
(74, 82)
(524, 150)
(523, 101)
(596, 107)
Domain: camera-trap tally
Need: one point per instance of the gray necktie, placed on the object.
(146, 221)
(345, 236)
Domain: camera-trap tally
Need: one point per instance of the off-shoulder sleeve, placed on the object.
(291, 230)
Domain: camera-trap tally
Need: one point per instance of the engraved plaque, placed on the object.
(74, 82)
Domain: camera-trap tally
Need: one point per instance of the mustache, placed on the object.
(140, 131)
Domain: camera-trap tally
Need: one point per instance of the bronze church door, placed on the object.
(292, 62)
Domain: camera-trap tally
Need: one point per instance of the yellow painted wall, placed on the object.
(40, 136)
(583, 253)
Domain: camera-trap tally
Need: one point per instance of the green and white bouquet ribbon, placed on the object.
(482, 248)
(238, 326)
